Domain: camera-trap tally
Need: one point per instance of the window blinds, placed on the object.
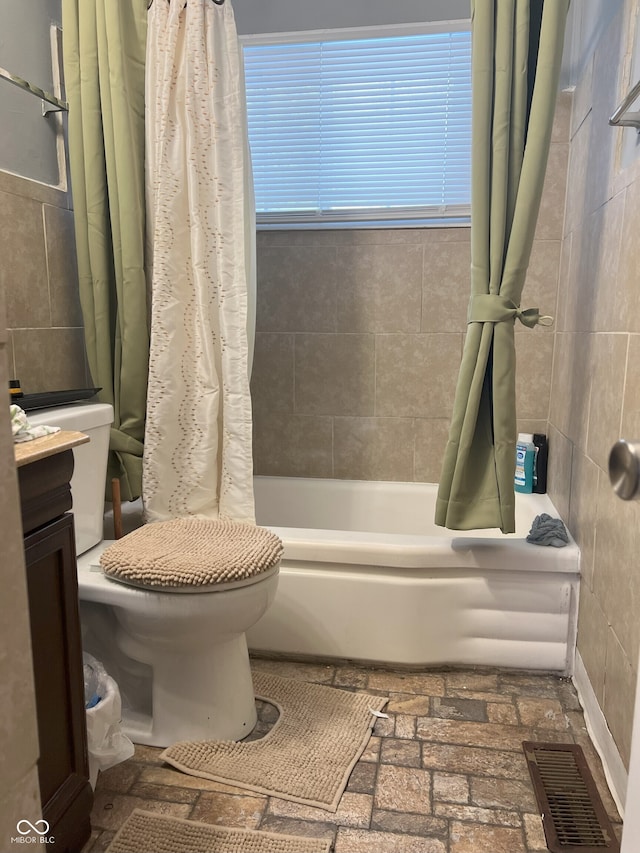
(363, 128)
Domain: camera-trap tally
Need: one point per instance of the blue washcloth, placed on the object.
(546, 530)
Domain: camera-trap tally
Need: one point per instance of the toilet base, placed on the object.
(195, 698)
(173, 696)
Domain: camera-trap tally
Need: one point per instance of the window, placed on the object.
(361, 128)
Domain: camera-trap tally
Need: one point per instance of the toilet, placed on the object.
(180, 659)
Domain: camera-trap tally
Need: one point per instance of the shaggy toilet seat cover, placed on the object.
(187, 554)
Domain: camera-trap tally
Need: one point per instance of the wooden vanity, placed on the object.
(45, 466)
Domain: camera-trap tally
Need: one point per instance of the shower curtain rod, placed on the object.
(217, 2)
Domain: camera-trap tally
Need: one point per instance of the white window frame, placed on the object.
(446, 216)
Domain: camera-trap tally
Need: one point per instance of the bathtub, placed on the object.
(367, 576)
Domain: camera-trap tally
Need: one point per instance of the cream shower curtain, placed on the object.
(201, 234)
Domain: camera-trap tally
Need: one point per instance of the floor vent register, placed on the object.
(573, 816)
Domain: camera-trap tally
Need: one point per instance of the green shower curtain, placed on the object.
(104, 61)
(517, 48)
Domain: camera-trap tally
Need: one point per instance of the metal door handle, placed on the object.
(624, 469)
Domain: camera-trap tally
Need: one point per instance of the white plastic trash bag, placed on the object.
(106, 743)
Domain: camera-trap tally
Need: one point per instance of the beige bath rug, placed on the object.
(145, 832)
(308, 754)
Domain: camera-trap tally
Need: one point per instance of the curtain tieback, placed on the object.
(120, 442)
(491, 308)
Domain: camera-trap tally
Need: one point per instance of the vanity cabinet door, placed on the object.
(52, 583)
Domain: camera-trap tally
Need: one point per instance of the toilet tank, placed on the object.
(90, 464)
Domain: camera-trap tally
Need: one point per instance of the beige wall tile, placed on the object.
(343, 237)
(587, 258)
(379, 236)
(17, 185)
(541, 284)
(582, 97)
(559, 471)
(62, 265)
(296, 289)
(50, 359)
(334, 374)
(616, 575)
(551, 216)
(416, 375)
(607, 387)
(631, 406)
(293, 445)
(373, 448)
(619, 682)
(272, 373)
(431, 440)
(532, 425)
(446, 288)
(564, 283)
(592, 640)
(4, 334)
(379, 288)
(579, 287)
(583, 511)
(577, 177)
(23, 272)
(629, 264)
(534, 354)
(611, 308)
(561, 130)
(606, 93)
(8, 349)
(571, 386)
(459, 234)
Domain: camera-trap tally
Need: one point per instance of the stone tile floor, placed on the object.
(445, 773)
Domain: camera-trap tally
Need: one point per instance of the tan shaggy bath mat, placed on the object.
(145, 832)
(308, 754)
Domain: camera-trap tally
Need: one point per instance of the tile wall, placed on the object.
(19, 791)
(45, 347)
(359, 339)
(595, 396)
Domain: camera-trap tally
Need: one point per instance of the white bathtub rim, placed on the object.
(417, 552)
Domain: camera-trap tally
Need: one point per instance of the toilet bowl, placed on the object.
(180, 659)
(195, 681)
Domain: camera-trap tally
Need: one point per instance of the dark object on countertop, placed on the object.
(15, 391)
(546, 530)
(47, 399)
(540, 465)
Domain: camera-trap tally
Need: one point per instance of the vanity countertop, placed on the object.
(48, 445)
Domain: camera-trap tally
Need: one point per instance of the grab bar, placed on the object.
(631, 119)
(56, 103)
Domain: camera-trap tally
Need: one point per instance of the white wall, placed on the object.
(28, 141)
(274, 16)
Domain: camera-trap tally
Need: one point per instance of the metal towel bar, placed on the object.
(622, 116)
(56, 103)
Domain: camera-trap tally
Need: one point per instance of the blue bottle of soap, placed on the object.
(525, 460)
